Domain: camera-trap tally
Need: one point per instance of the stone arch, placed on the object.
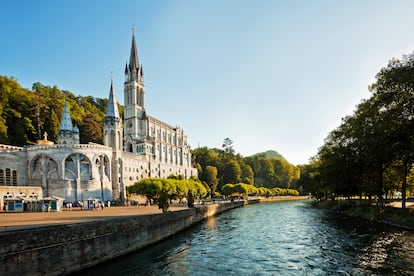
(43, 165)
(98, 159)
(72, 162)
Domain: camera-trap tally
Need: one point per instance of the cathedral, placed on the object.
(137, 147)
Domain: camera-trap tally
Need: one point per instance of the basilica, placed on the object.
(135, 147)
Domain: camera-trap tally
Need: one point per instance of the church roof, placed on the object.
(66, 122)
(112, 110)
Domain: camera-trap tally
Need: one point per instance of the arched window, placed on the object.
(129, 147)
(14, 178)
(8, 177)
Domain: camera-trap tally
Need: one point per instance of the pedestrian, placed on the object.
(109, 203)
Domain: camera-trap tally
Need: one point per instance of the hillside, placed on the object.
(26, 114)
(270, 154)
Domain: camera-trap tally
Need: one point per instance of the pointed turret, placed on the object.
(68, 134)
(66, 121)
(112, 110)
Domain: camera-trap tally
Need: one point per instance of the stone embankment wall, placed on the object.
(62, 249)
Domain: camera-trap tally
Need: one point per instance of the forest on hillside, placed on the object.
(25, 114)
(218, 167)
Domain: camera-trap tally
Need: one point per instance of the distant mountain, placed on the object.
(270, 154)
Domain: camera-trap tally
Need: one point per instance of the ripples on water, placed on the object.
(281, 238)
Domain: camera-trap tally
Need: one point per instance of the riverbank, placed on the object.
(280, 198)
(402, 218)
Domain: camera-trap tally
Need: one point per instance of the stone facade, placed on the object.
(146, 147)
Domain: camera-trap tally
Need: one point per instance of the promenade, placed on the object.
(17, 221)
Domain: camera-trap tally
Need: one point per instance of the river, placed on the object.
(279, 238)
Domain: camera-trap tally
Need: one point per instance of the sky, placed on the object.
(269, 75)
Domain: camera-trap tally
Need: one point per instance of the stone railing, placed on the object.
(61, 146)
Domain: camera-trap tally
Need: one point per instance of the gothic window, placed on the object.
(165, 154)
(8, 176)
(1, 177)
(160, 152)
(138, 98)
(14, 178)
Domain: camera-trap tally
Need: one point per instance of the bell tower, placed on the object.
(134, 99)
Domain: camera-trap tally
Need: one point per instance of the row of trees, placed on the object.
(162, 190)
(217, 167)
(372, 152)
(246, 189)
(26, 114)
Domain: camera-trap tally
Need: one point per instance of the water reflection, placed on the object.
(284, 238)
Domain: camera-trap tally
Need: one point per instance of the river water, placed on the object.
(280, 238)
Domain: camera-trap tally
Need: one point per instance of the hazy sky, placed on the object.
(267, 74)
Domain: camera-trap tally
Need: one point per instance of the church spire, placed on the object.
(133, 59)
(112, 110)
(133, 70)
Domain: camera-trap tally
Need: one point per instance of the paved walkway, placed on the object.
(16, 221)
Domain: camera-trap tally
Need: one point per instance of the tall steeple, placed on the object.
(133, 70)
(134, 101)
(133, 59)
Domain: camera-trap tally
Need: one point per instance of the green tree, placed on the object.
(228, 146)
(394, 90)
(231, 172)
(210, 177)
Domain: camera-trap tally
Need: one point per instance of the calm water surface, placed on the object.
(281, 238)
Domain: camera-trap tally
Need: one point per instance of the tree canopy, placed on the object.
(162, 190)
(372, 151)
